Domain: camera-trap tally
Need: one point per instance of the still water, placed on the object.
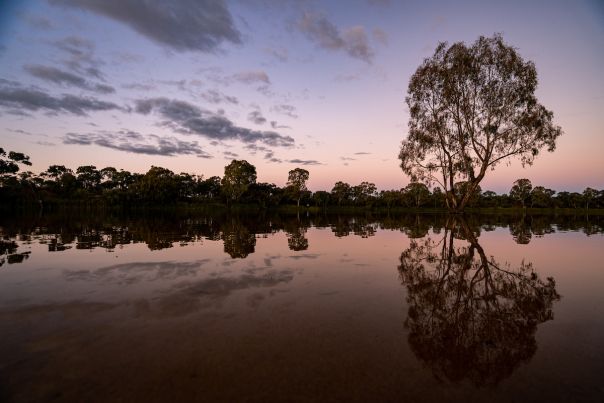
(319, 308)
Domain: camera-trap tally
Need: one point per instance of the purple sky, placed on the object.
(190, 85)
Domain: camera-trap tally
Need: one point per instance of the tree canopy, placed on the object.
(471, 108)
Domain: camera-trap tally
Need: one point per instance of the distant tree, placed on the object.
(89, 177)
(341, 191)
(320, 198)
(296, 181)
(158, 185)
(209, 188)
(9, 164)
(589, 194)
(364, 193)
(390, 197)
(238, 176)
(417, 192)
(521, 191)
(473, 107)
(541, 197)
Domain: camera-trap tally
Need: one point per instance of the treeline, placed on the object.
(160, 186)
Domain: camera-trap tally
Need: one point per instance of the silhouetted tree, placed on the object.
(521, 191)
(471, 108)
(341, 192)
(296, 180)
(238, 176)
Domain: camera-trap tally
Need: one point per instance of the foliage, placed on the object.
(238, 176)
(296, 181)
(473, 107)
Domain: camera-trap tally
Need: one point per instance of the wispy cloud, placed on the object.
(186, 118)
(185, 25)
(287, 110)
(304, 162)
(326, 35)
(14, 95)
(256, 117)
(61, 77)
(133, 142)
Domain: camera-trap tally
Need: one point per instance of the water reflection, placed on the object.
(239, 233)
(470, 316)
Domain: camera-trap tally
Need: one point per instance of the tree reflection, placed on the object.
(296, 239)
(238, 240)
(469, 316)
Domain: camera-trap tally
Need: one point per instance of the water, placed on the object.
(320, 308)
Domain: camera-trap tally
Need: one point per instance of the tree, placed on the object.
(541, 197)
(588, 195)
(417, 192)
(521, 191)
(9, 164)
(296, 180)
(238, 176)
(471, 108)
(341, 192)
(364, 193)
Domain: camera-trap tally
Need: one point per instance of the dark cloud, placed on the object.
(256, 117)
(362, 153)
(80, 56)
(216, 97)
(61, 77)
(304, 162)
(185, 25)
(137, 143)
(276, 125)
(229, 154)
(186, 118)
(288, 110)
(13, 95)
(326, 35)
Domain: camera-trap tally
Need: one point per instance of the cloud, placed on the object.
(304, 162)
(326, 35)
(347, 159)
(133, 142)
(380, 36)
(81, 57)
(256, 117)
(61, 77)
(288, 110)
(185, 25)
(39, 22)
(139, 86)
(281, 54)
(251, 77)
(229, 154)
(13, 95)
(362, 153)
(186, 118)
(276, 125)
(342, 77)
(216, 97)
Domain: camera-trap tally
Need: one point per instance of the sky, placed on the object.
(190, 85)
